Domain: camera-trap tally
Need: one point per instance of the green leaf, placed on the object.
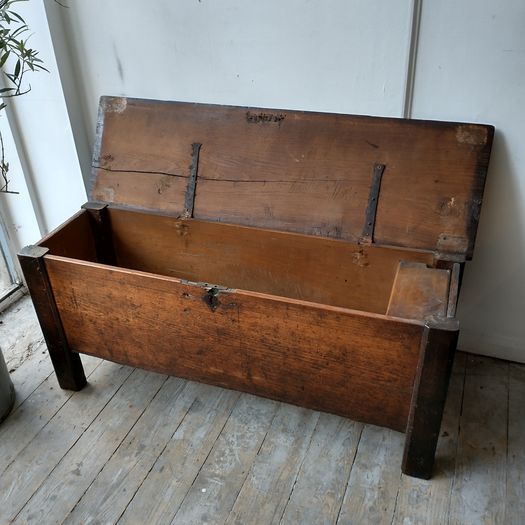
(5, 56)
(18, 68)
(18, 17)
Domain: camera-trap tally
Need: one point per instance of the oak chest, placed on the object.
(311, 258)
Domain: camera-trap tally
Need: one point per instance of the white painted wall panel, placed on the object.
(471, 67)
(325, 55)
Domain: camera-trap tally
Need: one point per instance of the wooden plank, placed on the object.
(67, 364)
(74, 238)
(296, 171)
(290, 265)
(418, 291)
(453, 292)
(23, 348)
(162, 191)
(515, 485)
(374, 479)
(215, 489)
(57, 496)
(428, 400)
(100, 232)
(31, 416)
(318, 491)
(428, 501)
(160, 495)
(38, 459)
(478, 494)
(265, 492)
(364, 365)
(109, 494)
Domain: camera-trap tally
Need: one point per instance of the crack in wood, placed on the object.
(145, 172)
(211, 179)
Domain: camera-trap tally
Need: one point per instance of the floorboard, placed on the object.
(478, 494)
(515, 486)
(137, 447)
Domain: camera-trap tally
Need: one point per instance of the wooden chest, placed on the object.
(311, 258)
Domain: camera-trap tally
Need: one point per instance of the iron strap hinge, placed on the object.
(367, 236)
(189, 200)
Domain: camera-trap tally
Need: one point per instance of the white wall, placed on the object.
(329, 55)
(335, 55)
(44, 166)
(471, 66)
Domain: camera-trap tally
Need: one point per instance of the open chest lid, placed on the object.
(412, 183)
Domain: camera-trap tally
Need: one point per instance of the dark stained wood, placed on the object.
(67, 364)
(419, 292)
(326, 358)
(314, 269)
(455, 277)
(438, 347)
(74, 238)
(297, 171)
(101, 232)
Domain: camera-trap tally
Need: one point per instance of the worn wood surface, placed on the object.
(419, 292)
(296, 171)
(74, 238)
(108, 495)
(100, 232)
(38, 459)
(321, 482)
(438, 347)
(169, 480)
(373, 485)
(247, 341)
(70, 479)
(480, 485)
(470, 464)
(265, 493)
(314, 269)
(515, 478)
(67, 365)
(221, 477)
(421, 501)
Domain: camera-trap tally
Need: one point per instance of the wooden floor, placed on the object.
(138, 447)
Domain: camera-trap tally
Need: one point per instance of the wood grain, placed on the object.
(374, 479)
(318, 491)
(515, 479)
(419, 292)
(40, 457)
(314, 269)
(26, 421)
(67, 364)
(216, 487)
(438, 347)
(428, 501)
(297, 171)
(265, 493)
(479, 489)
(108, 496)
(162, 492)
(54, 500)
(326, 358)
(74, 238)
